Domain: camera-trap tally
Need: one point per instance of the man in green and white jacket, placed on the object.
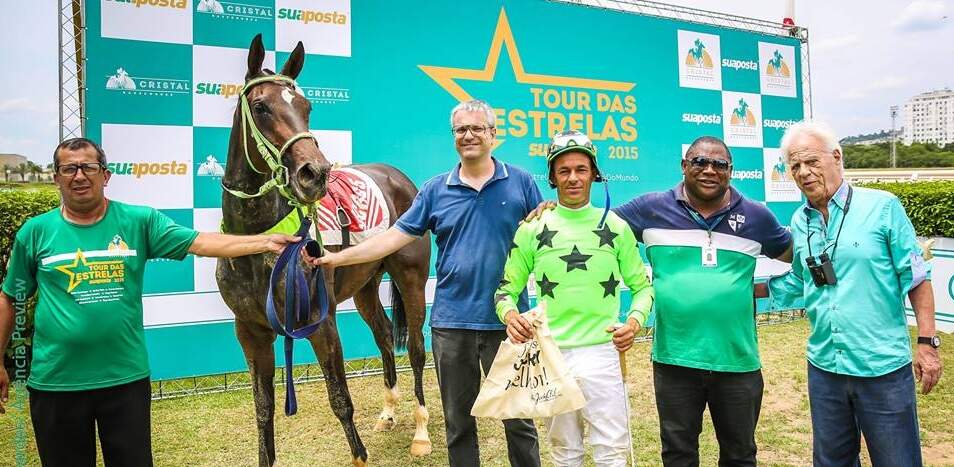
(579, 256)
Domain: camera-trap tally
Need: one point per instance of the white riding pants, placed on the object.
(597, 372)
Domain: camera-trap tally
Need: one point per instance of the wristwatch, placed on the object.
(932, 341)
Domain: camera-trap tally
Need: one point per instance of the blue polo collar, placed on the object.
(500, 173)
(679, 193)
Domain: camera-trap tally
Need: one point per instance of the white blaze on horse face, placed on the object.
(287, 95)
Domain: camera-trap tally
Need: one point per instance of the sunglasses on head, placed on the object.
(701, 162)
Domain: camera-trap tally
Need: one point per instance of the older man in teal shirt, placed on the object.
(855, 259)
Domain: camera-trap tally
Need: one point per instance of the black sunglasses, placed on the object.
(700, 163)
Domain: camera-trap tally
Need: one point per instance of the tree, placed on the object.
(22, 170)
(917, 155)
(35, 170)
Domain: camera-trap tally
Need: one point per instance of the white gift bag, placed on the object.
(529, 380)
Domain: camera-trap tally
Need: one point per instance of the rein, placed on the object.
(297, 290)
(297, 304)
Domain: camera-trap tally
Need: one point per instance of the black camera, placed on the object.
(823, 273)
(313, 249)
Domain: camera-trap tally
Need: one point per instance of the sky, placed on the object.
(865, 57)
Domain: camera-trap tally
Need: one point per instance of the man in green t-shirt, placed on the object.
(579, 255)
(85, 261)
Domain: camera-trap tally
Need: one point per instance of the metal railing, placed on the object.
(199, 385)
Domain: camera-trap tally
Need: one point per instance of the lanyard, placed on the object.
(702, 222)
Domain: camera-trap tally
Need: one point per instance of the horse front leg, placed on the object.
(327, 346)
(257, 344)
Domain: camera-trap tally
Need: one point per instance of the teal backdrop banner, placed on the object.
(164, 78)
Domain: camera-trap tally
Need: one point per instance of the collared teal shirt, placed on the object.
(858, 326)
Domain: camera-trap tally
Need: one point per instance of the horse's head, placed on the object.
(280, 113)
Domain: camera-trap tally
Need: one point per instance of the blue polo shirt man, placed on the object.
(474, 230)
(473, 211)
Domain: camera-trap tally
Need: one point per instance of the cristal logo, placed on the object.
(698, 57)
(308, 16)
(234, 10)
(746, 175)
(210, 168)
(209, 6)
(740, 64)
(121, 80)
(742, 115)
(128, 84)
(777, 124)
(699, 119)
(780, 171)
(226, 90)
(777, 67)
(142, 169)
(178, 4)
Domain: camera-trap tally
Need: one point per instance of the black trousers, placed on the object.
(65, 424)
(459, 356)
(734, 401)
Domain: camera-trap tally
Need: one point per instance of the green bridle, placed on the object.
(270, 154)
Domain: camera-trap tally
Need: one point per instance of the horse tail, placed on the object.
(398, 318)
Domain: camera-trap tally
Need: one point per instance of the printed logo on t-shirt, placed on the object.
(94, 276)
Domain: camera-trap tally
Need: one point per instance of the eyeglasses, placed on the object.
(476, 130)
(89, 169)
(699, 163)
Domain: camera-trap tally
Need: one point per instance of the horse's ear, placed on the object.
(295, 62)
(256, 56)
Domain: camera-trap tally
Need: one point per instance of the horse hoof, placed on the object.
(384, 424)
(420, 447)
(357, 462)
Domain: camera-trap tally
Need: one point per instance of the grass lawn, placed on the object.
(218, 429)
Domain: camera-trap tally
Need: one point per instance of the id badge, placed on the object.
(709, 258)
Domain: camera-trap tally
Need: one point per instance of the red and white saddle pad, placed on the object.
(362, 202)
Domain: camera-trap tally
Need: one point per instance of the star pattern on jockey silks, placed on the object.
(513, 246)
(546, 286)
(609, 286)
(606, 236)
(575, 260)
(545, 237)
(500, 297)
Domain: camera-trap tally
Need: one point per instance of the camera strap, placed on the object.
(841, 225)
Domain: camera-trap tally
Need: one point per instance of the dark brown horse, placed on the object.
(281, 115)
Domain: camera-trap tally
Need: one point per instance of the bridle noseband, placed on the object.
(270, 154)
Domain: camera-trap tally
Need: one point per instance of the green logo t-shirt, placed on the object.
(88, 321)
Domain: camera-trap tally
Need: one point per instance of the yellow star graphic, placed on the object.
(67, 269)
(503, 36)
(446, 77)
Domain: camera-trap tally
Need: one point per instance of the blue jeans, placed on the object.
(882, 407)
